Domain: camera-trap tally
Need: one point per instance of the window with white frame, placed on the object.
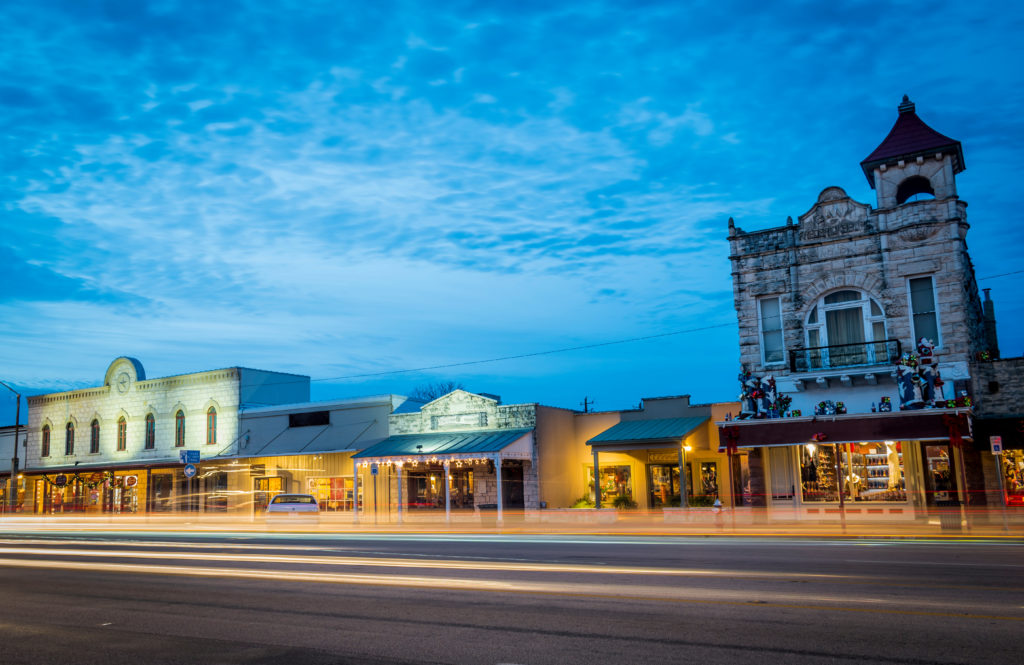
(924, 314)
(840, 328)
(770, 312)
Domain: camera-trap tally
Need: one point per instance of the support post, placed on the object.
(683, 480)
(841, 485)
(497, 473)
(355, 491)
(12, 486)
(597, 481)
(447, 493)
(398, 470)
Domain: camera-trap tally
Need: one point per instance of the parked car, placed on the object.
(292, 506)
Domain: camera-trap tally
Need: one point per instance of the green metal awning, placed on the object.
(642, 432)
(507, 443)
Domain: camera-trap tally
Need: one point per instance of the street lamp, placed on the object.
(12, 486)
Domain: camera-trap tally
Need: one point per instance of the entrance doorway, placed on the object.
(265, 489)
(663, 485)
(939, 475)
(512, 484)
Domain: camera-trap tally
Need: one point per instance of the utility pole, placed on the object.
(12, 486)
(587, 404)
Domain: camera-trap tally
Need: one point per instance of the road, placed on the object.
(163, 597)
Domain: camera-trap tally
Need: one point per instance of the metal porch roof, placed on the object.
(448, 443)
(657, 429)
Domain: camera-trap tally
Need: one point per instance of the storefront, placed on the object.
(83, 490)
(1008, 431)
(651, 463)
(467, 472)
(903, 464)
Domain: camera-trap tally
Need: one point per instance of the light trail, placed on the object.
(952, 609)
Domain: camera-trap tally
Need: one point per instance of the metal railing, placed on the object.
(886, 352)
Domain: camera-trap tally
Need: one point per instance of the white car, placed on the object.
(294, 505)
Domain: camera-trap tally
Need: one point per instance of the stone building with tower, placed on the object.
(859, 330)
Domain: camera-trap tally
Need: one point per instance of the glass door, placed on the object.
(663, 485)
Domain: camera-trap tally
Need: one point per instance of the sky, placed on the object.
(358, 191)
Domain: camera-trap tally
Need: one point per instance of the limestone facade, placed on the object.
(127, 393)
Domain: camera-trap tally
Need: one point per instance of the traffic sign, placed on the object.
(190, 470)
(373, 469)
(997, 444)
(188, 456)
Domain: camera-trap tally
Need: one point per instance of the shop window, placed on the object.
(1012, 463)
(122, 433)
(150, 432)
(818, 473)
(179, 429)
(780, 465)
(211, 426)
(616, 481)
(874, 471)
(839, 327)
(922, 306)
(709, 481)
(44, 448)
(94, 437)
(69, 439)
(770, 312)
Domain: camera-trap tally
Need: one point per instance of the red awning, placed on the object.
(851, 428)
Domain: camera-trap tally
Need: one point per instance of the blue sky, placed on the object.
(341, 189)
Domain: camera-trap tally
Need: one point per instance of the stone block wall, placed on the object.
(840, 243)
(998, 386)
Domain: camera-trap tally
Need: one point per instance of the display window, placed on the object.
(1012, 463)
(709, 480)
(333, 494)
(818, 473)
(616, 481)
(874, 471)
(939, 476)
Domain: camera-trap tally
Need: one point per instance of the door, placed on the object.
(512, 485)
(663, 485)
(265, 489)
(939, 475)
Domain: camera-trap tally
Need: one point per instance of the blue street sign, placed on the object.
(190, 470)
(188, 456)
(373, 469)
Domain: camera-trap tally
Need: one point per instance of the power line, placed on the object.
(527, 355)
(1002, 274)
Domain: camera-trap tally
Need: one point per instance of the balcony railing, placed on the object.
(887, 352)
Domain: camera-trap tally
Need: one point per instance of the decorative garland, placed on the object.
(106, 477)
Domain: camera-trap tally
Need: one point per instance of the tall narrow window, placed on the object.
(179, 429)
(922, 305)
(69, 439)
(211, 426)
(94, 437)
(771, 331)
(150, 431)
(122, 434)
(44, 448)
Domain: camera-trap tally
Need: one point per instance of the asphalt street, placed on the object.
(161, 597)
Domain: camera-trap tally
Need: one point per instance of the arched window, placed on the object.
(69, 439)
(914, 186)
(122, 433)
(94, 437)
(150, 431)
(211, 426)
(44, 448)
(841, 326)
(179, 429)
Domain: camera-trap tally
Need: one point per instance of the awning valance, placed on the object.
(451, 446)
(924, 425)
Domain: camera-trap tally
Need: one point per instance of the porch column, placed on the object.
(398, 470)
(355, 491)
(497, 473)
(597, 480)
(683, 503)
(447, 493)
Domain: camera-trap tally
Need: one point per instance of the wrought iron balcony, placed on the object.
(887, 352)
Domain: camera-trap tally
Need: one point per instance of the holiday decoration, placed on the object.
(760, 398)
(825, 408)
(928, 373)
(818, 437)
(885, 405)
(840, 408)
